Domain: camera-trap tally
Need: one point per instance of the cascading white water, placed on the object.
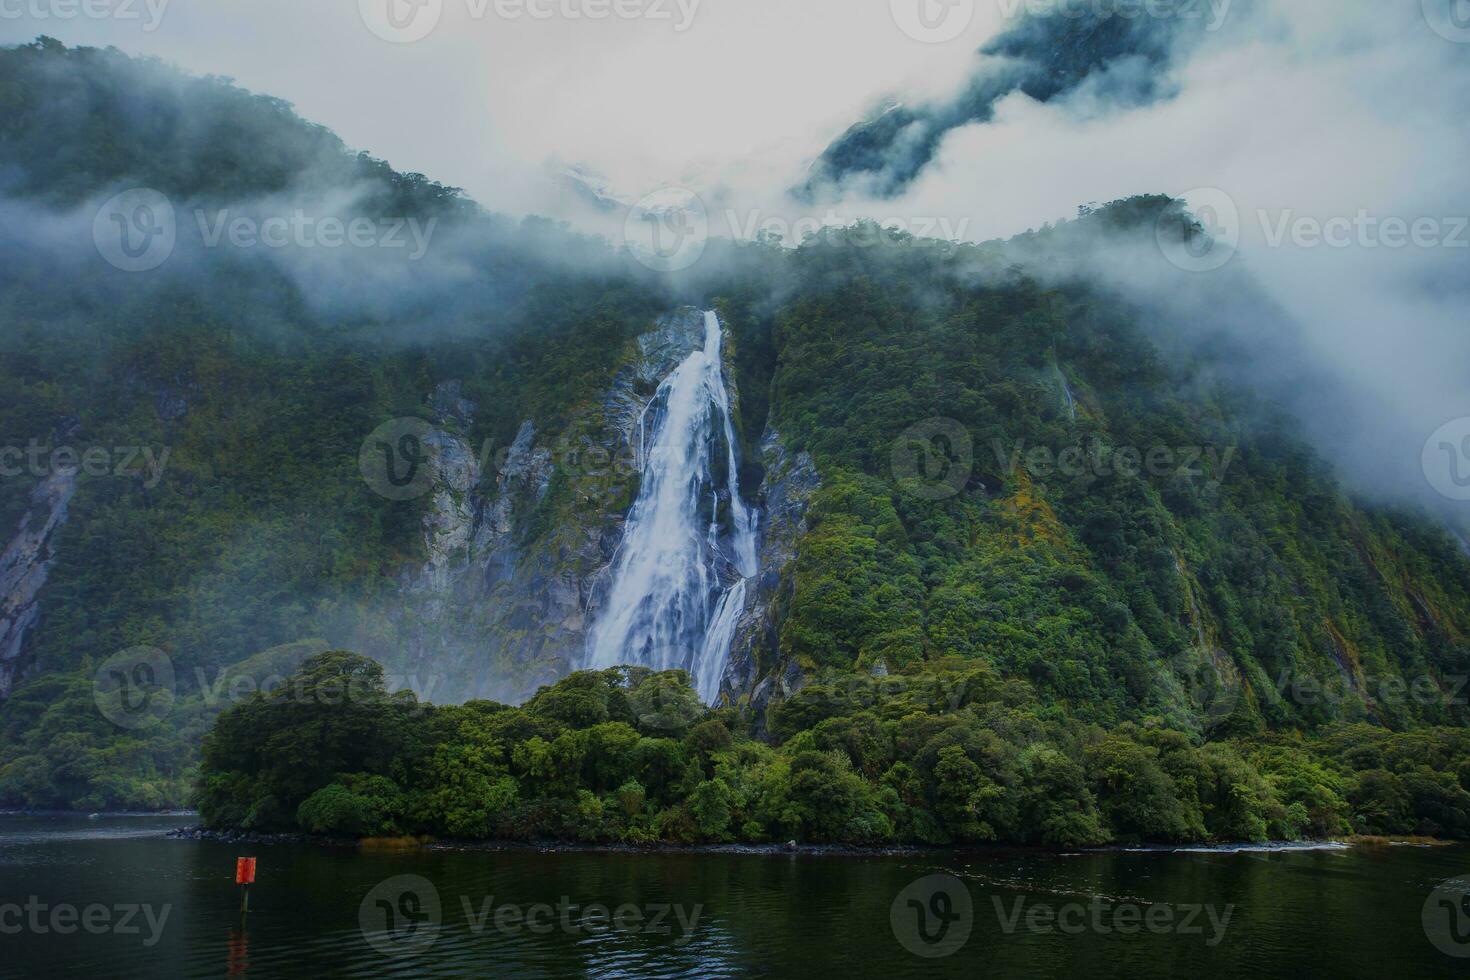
(1069, 402)
(678, 578)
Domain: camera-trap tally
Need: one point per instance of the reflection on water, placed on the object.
(111, 896)
(238, 958)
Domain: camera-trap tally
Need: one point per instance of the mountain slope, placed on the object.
(934, 433)
(1123, 61)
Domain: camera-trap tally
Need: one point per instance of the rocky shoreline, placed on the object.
(200, 833)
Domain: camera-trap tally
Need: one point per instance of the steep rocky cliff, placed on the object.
(23, 568)
(754, 670)
(517, 557)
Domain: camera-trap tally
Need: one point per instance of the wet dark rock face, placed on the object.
(23, 568)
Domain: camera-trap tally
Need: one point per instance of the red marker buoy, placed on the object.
(244, 877)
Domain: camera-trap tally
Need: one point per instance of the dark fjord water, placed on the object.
(112, 897)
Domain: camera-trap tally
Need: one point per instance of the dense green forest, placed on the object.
(992, 644)
(1088, 580)
(950, 755)
(259, 534)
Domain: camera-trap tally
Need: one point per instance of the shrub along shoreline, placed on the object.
(953, 756)
(787, 849)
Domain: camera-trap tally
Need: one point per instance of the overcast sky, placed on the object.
(483, 101)
(747, 91)
(1295, 109)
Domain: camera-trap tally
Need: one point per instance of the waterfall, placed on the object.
(1068, 402)
(678, 578)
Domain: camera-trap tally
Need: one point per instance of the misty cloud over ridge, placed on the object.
(1121, 60)
(1316, 125)
(1293, 109)
(315, 226)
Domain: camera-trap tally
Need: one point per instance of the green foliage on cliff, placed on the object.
(952, 755)
(252, 382)
(984, 424)
(1019, 475)
(58, 749)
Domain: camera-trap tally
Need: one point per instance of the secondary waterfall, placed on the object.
(679, 576)
(1068, 401)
